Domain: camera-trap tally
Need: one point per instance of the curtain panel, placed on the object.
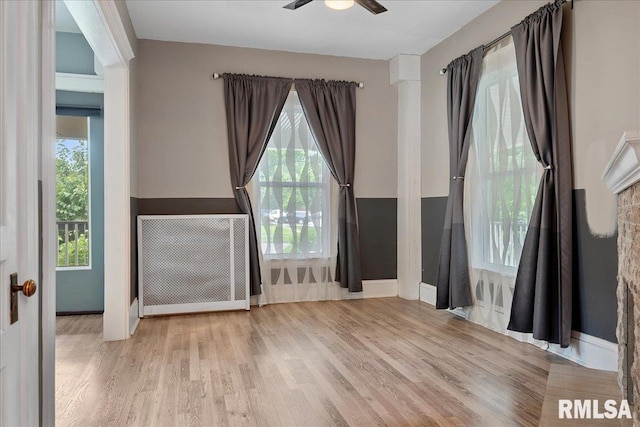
(253, 105)
(330, 109)
(463, 74)
(295, 205)
(501, 184)
(542, 297)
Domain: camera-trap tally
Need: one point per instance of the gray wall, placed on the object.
(601, 43)
(73, 54)
(182, 155)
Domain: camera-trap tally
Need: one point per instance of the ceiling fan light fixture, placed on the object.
(339, 4)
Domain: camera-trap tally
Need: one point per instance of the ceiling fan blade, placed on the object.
(296, 4)
(372, 6)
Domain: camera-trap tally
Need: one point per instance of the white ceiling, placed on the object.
(409, 26)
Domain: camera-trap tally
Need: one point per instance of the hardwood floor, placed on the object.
(576, 382)
(360, 362)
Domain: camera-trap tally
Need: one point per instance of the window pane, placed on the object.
(503, 174)
(293, 189)
(72, 192)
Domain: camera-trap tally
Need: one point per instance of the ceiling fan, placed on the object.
(371, 5)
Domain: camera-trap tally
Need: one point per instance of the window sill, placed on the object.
(80, 268)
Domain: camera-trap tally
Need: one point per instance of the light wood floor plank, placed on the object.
(386, 362)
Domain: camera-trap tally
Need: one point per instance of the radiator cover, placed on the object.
(192, 263)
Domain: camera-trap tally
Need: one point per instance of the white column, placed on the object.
(405, 75)
(117, 244)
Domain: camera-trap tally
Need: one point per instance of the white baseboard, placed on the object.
(589, 351)
(370, 289)
(133, 316)
(379, 288)
(585, 350)
(428, 293)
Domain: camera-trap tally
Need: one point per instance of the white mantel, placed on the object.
(623, 170)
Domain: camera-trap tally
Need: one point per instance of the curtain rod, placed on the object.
(217, 76)
(495, 41)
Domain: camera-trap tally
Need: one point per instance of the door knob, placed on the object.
(28, 288)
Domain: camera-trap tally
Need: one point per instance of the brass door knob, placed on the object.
(28, 288)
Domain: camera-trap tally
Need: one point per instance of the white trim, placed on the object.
(589, 351)
(103, 29)
(101, 25)
(117, 188)
(78, 268)
(623, 170)
(153, 310)
(97, 67)
(79, 83)
(404, 73)
(404, 68)
(585, 350)
(384, 288)
(134, 316)
(380, 288)
(428, 293)
(117, 31)
(207, 216)
(49, 227)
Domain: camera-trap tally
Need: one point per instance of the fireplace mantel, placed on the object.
(623, 170)
(622, 176)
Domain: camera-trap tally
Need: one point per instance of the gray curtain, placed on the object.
(542, 298)
(463, 74)
(253, 105)
(330, 109)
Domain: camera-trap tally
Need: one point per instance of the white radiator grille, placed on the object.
(192, 263)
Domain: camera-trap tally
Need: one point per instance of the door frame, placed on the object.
(103, 28)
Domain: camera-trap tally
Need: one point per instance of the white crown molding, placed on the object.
(101, 25)
(118, 32)
(623, 170)
(79, 83)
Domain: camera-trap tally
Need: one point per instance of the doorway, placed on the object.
(102, 24)
(79, 210)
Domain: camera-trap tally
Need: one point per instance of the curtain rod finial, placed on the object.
(361, 85)
(442, 71)
(216, 75)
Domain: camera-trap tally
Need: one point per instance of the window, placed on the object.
(292, 190)
(503, 174)
(72, 192)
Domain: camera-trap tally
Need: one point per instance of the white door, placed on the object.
(20, 49)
